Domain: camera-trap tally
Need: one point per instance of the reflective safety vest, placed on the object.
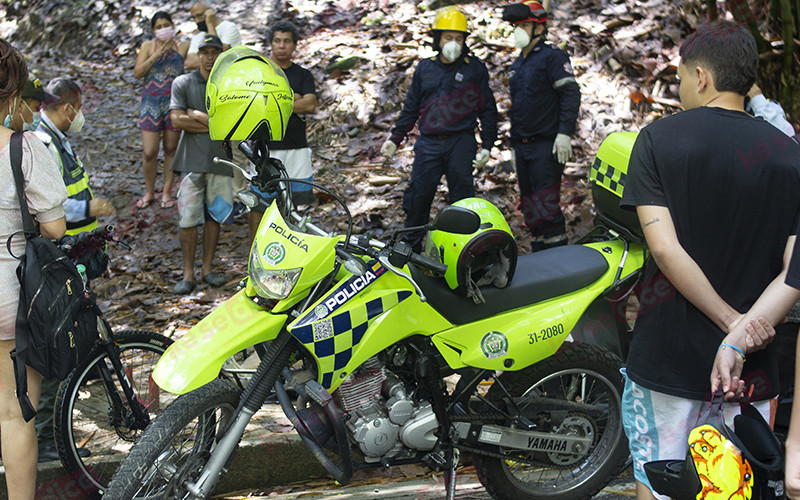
(74, 175)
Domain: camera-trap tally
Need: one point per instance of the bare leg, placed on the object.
(253, 220)
(643, 492)
(20, 450)
(210, 238)
(150, 143)
(188, 237)
(171, 138)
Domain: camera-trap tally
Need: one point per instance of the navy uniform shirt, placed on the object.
(545, 97)
(449, 99)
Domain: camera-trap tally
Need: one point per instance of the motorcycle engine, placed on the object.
(384, 421)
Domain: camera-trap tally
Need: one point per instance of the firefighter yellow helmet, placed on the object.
(450, 19)
(247, 97)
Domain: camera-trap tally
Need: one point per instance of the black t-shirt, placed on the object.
(732, 185)
(302, 82)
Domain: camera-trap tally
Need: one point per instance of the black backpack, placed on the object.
(56, 318)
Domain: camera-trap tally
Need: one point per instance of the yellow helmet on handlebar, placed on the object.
(247, 97)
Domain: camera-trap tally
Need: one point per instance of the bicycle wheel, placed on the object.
(86, 415)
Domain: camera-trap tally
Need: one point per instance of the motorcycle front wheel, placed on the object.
(175, 447)
(577, 373)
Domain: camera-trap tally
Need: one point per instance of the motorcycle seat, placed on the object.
(539, 276)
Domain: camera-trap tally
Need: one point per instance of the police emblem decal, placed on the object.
(321, 311)
(494, 345)
(274, 253)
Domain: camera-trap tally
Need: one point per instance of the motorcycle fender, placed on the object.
(515, 339)
(605, 324)
(197, 357)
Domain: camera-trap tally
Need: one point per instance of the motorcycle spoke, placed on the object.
(577, 395)
(168, 471)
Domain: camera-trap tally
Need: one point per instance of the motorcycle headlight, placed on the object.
(271, 283)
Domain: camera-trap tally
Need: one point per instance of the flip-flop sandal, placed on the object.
(168, 203)
(142, 203)
(214, 279)
(183, 287)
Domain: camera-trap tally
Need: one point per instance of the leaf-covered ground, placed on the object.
(362, 55)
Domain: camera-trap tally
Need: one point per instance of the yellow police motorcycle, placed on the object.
(397, 357)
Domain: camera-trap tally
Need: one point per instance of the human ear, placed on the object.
(704, 79)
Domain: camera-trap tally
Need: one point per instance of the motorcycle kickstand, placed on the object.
(451, 464)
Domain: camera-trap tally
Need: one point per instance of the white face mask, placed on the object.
(164, 34)
(521, 38)
(76, 124)
(451, 50)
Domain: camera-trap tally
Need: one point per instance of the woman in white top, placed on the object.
(44, 192)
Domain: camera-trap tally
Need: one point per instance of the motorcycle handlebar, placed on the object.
(247, 175)
(100, 234)
(414, 258)
(428, 263)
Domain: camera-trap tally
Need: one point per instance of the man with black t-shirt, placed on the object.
(716, 191)
(293, 150)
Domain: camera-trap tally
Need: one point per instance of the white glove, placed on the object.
(562, 149)
(388, 148)
(481, 158)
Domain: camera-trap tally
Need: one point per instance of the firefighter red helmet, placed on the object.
(529, 10)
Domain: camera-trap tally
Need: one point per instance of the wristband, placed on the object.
(741, 352)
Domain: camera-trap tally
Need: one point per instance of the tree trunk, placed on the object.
(711, 13)
(744, 15)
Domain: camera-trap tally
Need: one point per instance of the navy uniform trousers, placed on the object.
(539, 177)
(434, 156)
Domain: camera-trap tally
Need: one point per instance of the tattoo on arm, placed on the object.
(651, 222)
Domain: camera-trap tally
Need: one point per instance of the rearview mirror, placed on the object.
(457, 220)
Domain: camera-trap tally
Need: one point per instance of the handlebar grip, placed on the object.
(422, 261)
(103, 231)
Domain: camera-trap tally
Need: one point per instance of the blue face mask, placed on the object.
(37, 118)
(7, 122)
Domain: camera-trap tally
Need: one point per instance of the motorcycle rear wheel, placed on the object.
(580, 373)
(176, 445)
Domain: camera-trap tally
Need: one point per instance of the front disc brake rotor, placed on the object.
(188, 472)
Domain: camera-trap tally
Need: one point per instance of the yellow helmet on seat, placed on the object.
(486, 257)
(450, 19)
(247, 97)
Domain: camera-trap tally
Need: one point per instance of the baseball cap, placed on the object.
(33, 89)
(211, 41)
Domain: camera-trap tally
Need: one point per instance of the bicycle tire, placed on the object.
(83, 409)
